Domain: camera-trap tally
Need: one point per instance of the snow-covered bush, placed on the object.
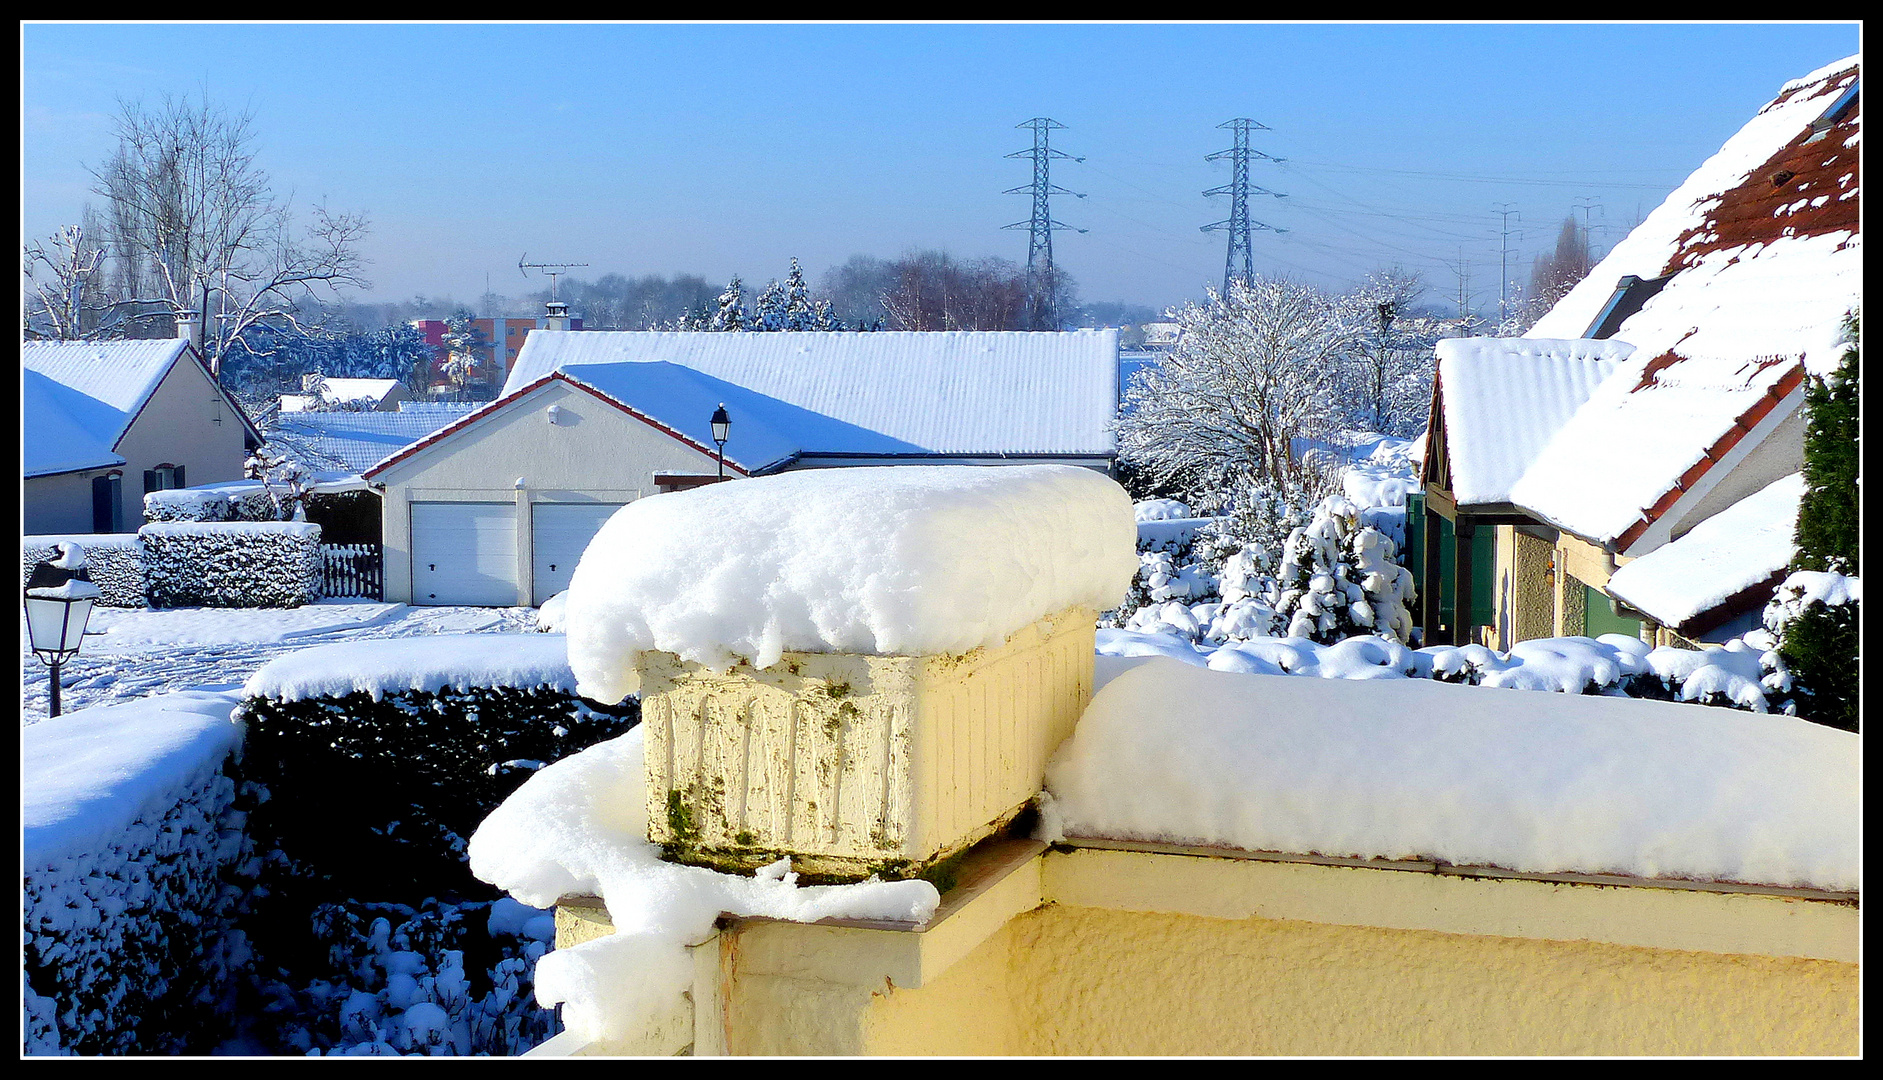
(380, 758)
(135, 867)
(440, 978)
(237, 501)
(1338, 579)
(115, 562)
(231, 564)
(1815, 617)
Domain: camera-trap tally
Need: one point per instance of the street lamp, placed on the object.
(59, 596)
(722, 427)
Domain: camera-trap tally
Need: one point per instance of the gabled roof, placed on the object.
(80, 398)
(765, 432)
(1502, 400)
(355, 441)
(1725, 564)
(1762, 256)
(957, 392)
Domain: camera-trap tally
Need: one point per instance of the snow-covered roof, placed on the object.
(1762, 255)
(958, 392)
(1539, 783)
(765, 431)
(80, 396)
(1505, 397)
(1743, 547)
(359, 440)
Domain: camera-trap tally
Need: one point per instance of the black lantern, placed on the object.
(59, 596)
(722, 427)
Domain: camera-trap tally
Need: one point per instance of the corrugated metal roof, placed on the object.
(356, 441)
(99, 386)
(963, 392)
(1505, 397)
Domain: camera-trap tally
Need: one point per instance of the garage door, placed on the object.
(559, 532)
(464, 553)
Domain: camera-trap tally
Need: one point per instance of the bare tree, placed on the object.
(195, 225)
(1389, 366)
(65, 297)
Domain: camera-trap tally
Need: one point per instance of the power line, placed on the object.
(1041, 279)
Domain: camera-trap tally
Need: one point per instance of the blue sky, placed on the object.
(730, 149)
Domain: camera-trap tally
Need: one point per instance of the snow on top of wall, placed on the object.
(391, 665)
(765, 431)
(87, 776)
(1504, 399)
(911, 559)
(222, 528)
(579, 827)
(1641, 431)
(956, 392)
(1558, 783)
(1739, 547)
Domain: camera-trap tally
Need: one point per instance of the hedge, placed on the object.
(231, 564)
(115, 562)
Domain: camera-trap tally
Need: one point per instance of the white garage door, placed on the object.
(464, 553)
(559, 532)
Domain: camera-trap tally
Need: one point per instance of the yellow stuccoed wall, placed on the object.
(1066, 980)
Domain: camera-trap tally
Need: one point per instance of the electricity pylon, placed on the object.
(1238, 223)
(1042, 286)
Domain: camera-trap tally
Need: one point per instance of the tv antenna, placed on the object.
(551, 269)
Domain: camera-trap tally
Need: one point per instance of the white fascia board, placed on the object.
(1662, 531)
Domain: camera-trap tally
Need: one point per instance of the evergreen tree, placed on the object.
(731, 311)
(1818, 639)
(769, 312)
(823, 317)
(798, 311)
(1338, 579)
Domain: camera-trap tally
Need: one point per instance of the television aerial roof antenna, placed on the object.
(552, 269)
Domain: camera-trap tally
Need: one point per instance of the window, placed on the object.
(163, 478)
(107, 506)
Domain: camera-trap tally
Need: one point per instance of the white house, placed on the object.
(105, 422)
(497, 508)
(374, 395)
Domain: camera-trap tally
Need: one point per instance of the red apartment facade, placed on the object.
(504, 337)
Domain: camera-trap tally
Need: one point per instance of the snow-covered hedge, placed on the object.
(426, 735)
(115, 562)
(231, 564)
(380, 758)
(133, 872)
(241, 500)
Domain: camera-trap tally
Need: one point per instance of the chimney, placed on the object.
(190, 328)
(558, 317)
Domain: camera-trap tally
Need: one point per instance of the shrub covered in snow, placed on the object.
(241, 500)
(135, 868)
(1338, 578)
(1816, 617)
(380, 757)
(115, 562)
(231, 564)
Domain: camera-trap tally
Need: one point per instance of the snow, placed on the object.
(1736, 549)
(73, 589)
(579, 827)
(1558, 783)
(765, 431)
(1829, 589)
(356, 441)
(87, 776)
(304, 529)
(1627, 447)
(899, 560)
(954, 392)
(81, 396)
(1159, 510)
(378, 668)
(1505, 397)
(113, 630)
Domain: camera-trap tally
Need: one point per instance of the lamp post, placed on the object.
(722, 427)
(59, 596)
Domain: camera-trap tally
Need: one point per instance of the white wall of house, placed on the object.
(1779, 454)
(186, 421)
(594, 453)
